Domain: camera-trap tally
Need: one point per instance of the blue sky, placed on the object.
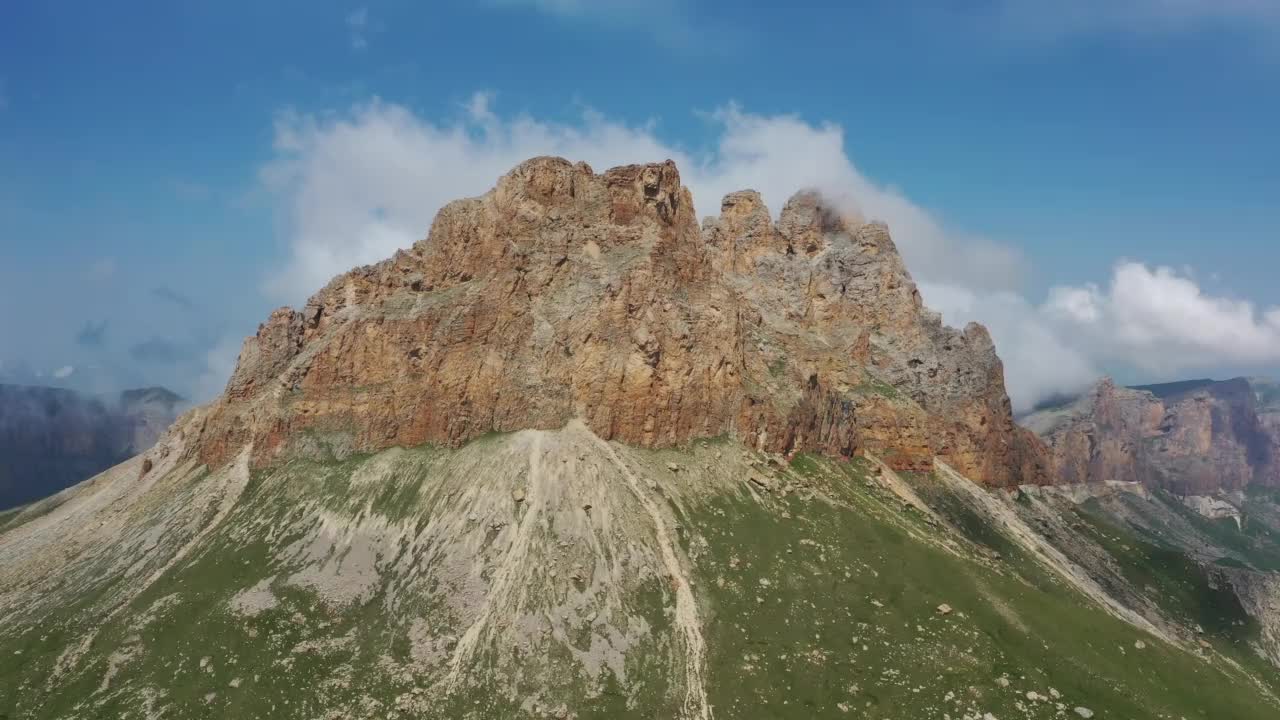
(169, 172)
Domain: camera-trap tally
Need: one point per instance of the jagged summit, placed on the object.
(565, 294)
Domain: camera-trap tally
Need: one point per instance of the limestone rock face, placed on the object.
(1103, 436)
(1193, 437)
(563, 294)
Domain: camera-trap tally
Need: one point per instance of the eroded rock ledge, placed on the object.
(564, 294)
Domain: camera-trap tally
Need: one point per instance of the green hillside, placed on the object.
(612, 583)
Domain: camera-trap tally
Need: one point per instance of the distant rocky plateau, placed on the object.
(1194, 437)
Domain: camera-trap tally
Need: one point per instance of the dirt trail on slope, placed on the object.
(686, 617)
(510, 575)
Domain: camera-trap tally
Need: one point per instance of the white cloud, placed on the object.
(1157, 321)
(667, 21)
(220, 361)
(355, 187)
(63, 372)
(1056, 17)
(358, 25)
(1161, 320)
(778, 155)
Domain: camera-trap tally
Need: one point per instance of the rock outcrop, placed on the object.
(563, 294)
(1193, 438)
(1267, 403)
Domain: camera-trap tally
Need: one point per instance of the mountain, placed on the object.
(1194, 437)
(563, 294)
(575, 455)
(52, 438)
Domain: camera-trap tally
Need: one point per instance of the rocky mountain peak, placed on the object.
(565, 294)
(807, 222)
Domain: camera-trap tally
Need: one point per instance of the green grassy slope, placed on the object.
(817, 592)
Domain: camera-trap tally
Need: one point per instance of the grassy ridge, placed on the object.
(818, 597)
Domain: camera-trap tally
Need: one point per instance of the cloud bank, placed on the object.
(353, 188)
(1161, 320)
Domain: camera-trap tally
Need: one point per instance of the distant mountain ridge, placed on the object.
(52, 438)
(1191, 437)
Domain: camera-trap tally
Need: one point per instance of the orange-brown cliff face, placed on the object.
(1193, 437)
(565, 294)
(1106, 435)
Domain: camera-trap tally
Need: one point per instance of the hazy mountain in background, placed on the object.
(51, 438)
(1195, 437)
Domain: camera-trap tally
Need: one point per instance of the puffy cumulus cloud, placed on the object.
(1157, 321)
(779, 155)
(1161, 320)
